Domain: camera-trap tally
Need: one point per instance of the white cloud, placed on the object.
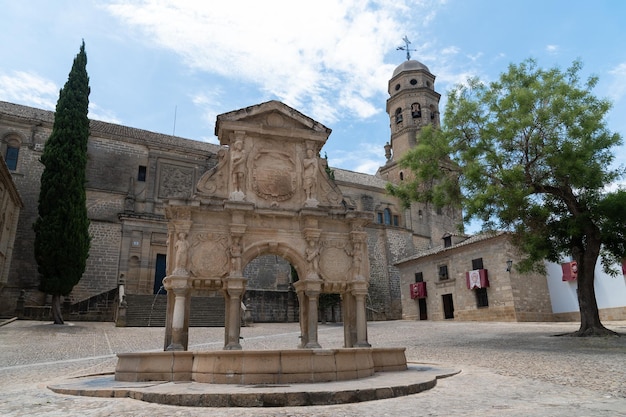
(366, 158)
(209, 102)
(301, 53)
(450, 50)
(617, 89)
(552, 49)
(98, 113)
(29, 89)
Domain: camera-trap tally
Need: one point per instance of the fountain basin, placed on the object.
(259, 366)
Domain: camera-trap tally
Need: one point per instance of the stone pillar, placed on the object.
(177, 330)
(312, 299)
(234, 288)
(304, 306)
(361, 321)
(349, 319)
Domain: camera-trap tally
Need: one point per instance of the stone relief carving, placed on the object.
(214, 181)
(175, 181)
(335, 260)
(274, 175)
(209, 255)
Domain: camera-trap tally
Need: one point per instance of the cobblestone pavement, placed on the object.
(512, 369)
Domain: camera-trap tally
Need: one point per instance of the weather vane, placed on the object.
(406, 48)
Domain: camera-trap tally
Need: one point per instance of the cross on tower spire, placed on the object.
(406, 48)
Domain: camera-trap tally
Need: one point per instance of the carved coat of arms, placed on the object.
(274, 175)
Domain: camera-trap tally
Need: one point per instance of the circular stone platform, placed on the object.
(417, 378)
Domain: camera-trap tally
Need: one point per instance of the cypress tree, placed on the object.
(62, 229)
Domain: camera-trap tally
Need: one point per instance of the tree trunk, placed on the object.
(57, 314)
(590, 324)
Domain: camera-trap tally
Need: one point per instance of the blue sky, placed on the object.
(171, 66)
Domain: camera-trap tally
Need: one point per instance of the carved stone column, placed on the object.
(359, 290)
(312, 296)
(234, 287)
(177, 329)
(303, 313)
(308, 291)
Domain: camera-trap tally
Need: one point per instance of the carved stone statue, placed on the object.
(235, 254)
(310, 174)
(181, 248)
(387, 151)
(238, 165)
(313, 255)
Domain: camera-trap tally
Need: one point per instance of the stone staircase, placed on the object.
(149, 311)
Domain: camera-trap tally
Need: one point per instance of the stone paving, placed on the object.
(512, 369)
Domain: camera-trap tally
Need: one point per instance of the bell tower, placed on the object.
(412, 103)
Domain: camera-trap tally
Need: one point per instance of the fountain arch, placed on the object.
(269, 193)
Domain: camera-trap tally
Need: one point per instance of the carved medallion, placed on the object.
(209, 255)
(335, 262)
(274, 175)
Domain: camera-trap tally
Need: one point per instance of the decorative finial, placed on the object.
(406, 48)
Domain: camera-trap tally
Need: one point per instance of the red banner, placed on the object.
(418, 290)
(570, 271)
(477, 278)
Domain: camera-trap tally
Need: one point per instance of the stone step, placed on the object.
(150, 311)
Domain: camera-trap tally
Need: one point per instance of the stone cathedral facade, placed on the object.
(133, 174)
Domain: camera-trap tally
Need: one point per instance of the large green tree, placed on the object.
(530, 153)
(62, 228)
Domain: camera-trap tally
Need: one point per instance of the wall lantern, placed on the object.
(509, 265)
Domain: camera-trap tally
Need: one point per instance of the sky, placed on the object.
(171, 66)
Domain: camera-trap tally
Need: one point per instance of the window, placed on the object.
(419, 277)
(387, 215)
(141, 173)
(447, 241)
(399, 115)
(481, 297)
(413, 81)
(380, 217)
(477, 264)
(396, 220)
(443, 272)
(416, 110)
(10, 157)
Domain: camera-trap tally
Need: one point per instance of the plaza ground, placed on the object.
(512, 369)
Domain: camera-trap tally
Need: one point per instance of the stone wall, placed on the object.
(29, 129)
(272, 306)
(10, 206)
(101, 272)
